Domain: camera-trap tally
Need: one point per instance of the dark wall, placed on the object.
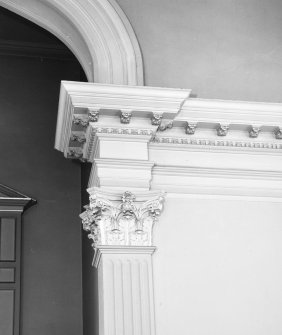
(52, 265)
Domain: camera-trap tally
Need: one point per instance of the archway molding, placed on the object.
(97, 32)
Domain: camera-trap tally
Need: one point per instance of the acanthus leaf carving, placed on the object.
(126, 224)
(78, 138)
(278, 133)
(156, 119)
(81, 120)
(165, 126)
(254, 132)
(125, 117)
(191, 128)
(93, 115)
(222, 129)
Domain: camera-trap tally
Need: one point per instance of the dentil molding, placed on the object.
(96, 31)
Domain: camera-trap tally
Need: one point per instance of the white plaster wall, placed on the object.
(218, 267)
(222, 49)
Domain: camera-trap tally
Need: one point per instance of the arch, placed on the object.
(97, 32)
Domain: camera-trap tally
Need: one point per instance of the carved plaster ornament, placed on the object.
(254, 131)
(80, 120)
(78, 138)
(125, 224)
(125, 116)
(278, 133)
(168, 125)
(93, 115)
(190, 128)
(222, 130)
(156, 119)
(75, 153)
(216, 143)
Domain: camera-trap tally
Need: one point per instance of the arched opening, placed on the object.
(97, 32)
(33, 62)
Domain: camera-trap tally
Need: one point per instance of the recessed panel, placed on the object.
(7, 275)
(6, 312)
(7, 239)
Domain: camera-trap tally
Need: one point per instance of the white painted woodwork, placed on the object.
(217, 267)
(126, 304)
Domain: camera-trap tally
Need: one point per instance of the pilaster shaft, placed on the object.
(126, 300)
(121, 227)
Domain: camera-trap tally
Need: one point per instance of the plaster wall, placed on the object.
(217, 268)
(222, 49)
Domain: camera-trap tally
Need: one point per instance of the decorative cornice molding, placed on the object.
(222, 129)
(126, 223)
(231, 112)
(217, 143)
(157, 119)
(190, 128)
(93, 115)
(97, 32)
(165, 126)
(278, 133)
(10, 199)
(85, 106)
(124, 117)
(254, 131)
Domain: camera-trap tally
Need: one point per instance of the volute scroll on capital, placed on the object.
(126, 222)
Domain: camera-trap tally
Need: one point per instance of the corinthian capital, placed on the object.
(124, 220)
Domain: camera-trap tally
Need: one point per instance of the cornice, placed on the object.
(165, 116)
(231, 112)
(86, 109)
(215, 147)
(11, 199)
(135, 99)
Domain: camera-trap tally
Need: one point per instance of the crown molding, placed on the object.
(100, 106)
(11, 200)
(231, 112)
(97, 32)
(168, 116)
